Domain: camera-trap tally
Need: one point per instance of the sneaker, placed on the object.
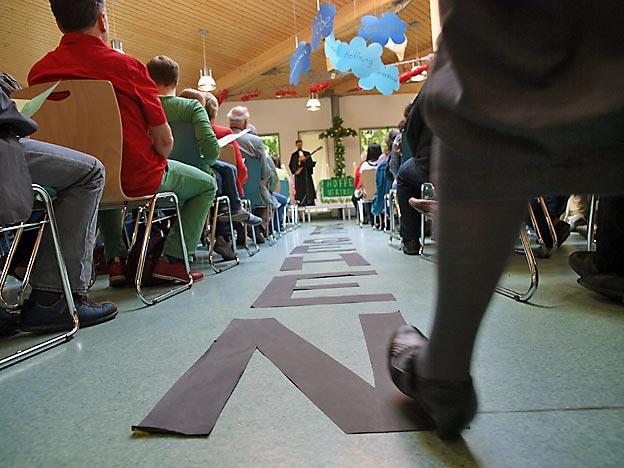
(9, 322)
(117, 273)
(253, 220)
(37, 318)
(238, 216)
(224, 248)
(174, 272)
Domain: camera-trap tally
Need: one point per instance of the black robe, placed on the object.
(305, 193)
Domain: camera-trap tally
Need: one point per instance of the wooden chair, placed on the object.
(228, 155)
(185, 150)
(369, 187)
(45, 200)
(84, 115)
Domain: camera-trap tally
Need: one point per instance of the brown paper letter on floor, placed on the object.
(193, 405)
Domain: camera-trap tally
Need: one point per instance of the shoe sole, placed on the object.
(170, 278)
(237, 218)
(117, 281)
(610, 293)
(42, 329)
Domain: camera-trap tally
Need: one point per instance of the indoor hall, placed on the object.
(548, 373)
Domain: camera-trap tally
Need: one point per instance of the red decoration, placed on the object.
(250, 96)
(222, 96)
(405, 77)
(285, 92)
(319, 87)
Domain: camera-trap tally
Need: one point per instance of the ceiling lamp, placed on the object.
(206, 81)
(115, 43)
(313, 103)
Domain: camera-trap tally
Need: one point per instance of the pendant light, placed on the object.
(313, 103)
(206, 81)
(116, 44)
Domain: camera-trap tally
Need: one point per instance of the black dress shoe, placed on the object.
(583, 263)
(609, 285)
(411, 247)
(452, 405)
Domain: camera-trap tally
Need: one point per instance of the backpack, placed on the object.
(154, 251)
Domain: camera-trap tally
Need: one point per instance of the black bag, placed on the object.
(154, 250)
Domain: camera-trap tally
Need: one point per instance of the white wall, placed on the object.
(289, 116)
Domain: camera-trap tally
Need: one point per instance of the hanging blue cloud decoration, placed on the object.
(356, 56)
(385, 80)
(323, 24)
(331, 49)
(379, 30)
(300, 62)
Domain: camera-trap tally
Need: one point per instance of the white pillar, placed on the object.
(436, 24)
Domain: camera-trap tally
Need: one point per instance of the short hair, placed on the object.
(190, 93)
(238, 114)
(212, 105)
(408, 108)
(163, 70)
(298, 141)
(77, 15)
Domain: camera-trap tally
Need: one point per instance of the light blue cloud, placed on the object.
(323, 24)
(358, 57)
(385, 80)
(300, 62)
(379, 30)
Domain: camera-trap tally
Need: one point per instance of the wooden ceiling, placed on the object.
(248, 45)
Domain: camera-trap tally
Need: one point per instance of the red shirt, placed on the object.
(82, 56)
(241, 175)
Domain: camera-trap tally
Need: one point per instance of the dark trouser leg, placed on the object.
(610, 235)
(227, 173)
(410, 177)
(467, 276)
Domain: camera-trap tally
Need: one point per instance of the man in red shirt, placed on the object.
(147, 141)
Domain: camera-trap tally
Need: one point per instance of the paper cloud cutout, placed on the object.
(379, 30)
(361, 59)
(331, 49)
(300, 62)
(385, 80)
(322, 24)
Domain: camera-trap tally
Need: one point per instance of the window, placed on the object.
(373, 135)
(271, 144)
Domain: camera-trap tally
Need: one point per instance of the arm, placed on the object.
(162, 139)
(206, 139)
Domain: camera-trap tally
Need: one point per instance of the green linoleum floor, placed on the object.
(549, 374)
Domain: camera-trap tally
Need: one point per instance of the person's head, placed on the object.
(299, 144)
(408, 108)
(390, 136)
(238, 116)
(373, 153)
(81, 16)
(277, 161)
(212, 105)
(190, 93)
(164, 71)
(402, 125)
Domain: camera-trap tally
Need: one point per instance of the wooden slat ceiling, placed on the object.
(248, 45)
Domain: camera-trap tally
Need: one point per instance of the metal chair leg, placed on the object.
(213, 233)
(50, 219)
(146, 237)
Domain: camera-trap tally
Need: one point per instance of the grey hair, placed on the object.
(238, 114)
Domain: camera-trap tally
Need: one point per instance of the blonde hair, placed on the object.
(191, 93)
(212, 105)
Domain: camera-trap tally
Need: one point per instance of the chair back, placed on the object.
(284, 188)
(228, 155)
(252, 186)
(369, 184)
(185, 147)
(84, 115)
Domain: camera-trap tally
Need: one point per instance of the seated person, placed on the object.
(84, 54)
(78, 180)
(212, 107)
(251, 146)
(556, 206)
(370, 164)
(383, 180)
(165, 72)
(413, 173)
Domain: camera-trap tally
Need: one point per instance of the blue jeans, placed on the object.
(283, 201)
(78, 180)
